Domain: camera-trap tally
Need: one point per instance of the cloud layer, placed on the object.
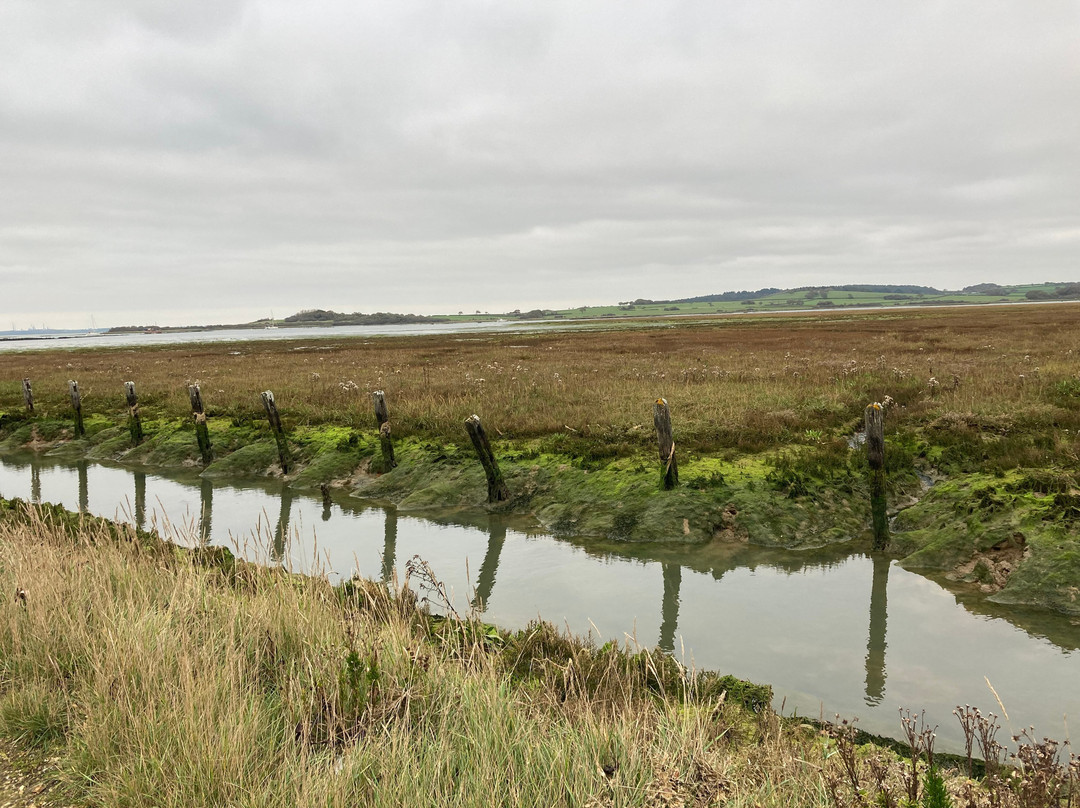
(208, 160)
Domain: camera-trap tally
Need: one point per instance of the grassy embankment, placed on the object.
(985, 400)
(151, 675)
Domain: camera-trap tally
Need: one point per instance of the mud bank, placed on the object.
(1012, 536)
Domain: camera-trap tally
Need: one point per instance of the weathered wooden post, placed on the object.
(76, 404)
(275, 427)
(497, 490)
(875, 455)
(669, 472)
(382, 418)
(202, 433)
(28, 395)
(134, 421)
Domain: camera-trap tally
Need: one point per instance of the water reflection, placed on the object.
(486, 582)
(84, 486)
(35, 482)
(875, 646)
(140, 499)
(327, 502)
(281, 532)
(670, 610)
(389, 553)
(206, 508)
(799, 620)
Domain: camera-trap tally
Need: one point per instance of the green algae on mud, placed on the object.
(1012, 534)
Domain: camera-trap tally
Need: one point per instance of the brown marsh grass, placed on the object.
(736, 383)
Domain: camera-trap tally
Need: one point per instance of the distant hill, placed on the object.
(330, 317)
(805, 298)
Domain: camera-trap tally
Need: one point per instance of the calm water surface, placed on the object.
(11, 342)
(832, 632)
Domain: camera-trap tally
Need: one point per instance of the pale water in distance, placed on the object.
(13, 342)
(833, 633)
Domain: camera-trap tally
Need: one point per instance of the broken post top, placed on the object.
(271, 410)
(875, 435)
(73, 386)
(382, 414)
(196, 398)
(662, 422)
(129, 392)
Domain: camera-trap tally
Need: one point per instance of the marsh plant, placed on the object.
(1035, 775)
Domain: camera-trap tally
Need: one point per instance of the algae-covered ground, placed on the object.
(1012, 534)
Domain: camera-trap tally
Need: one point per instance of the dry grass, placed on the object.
(160, 681)
(734, 384)
(155, 677)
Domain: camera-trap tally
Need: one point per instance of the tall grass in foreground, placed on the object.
(170, 678)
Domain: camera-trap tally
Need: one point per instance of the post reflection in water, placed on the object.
(140, 499)
(389, 553)
(875, 646)
(327, 502)
(490, 565)
(669, 615)
(84, 494)
(281, 533)
(35, 482)
(206, 508)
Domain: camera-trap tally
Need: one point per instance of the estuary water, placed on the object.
(832, 632)
(13, 341)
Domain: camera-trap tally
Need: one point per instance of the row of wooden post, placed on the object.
(497, 488)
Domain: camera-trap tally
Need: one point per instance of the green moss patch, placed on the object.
(1004, 532)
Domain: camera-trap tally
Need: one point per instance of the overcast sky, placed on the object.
(215, 160)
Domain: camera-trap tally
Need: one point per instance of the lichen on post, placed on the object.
(382, 419)
(202, 433)
(875, 456)
(497, 490)
(28, 395)
(669, 466)
(76, 405)
(134, 421)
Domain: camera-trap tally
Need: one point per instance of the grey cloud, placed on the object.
(539, 153)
